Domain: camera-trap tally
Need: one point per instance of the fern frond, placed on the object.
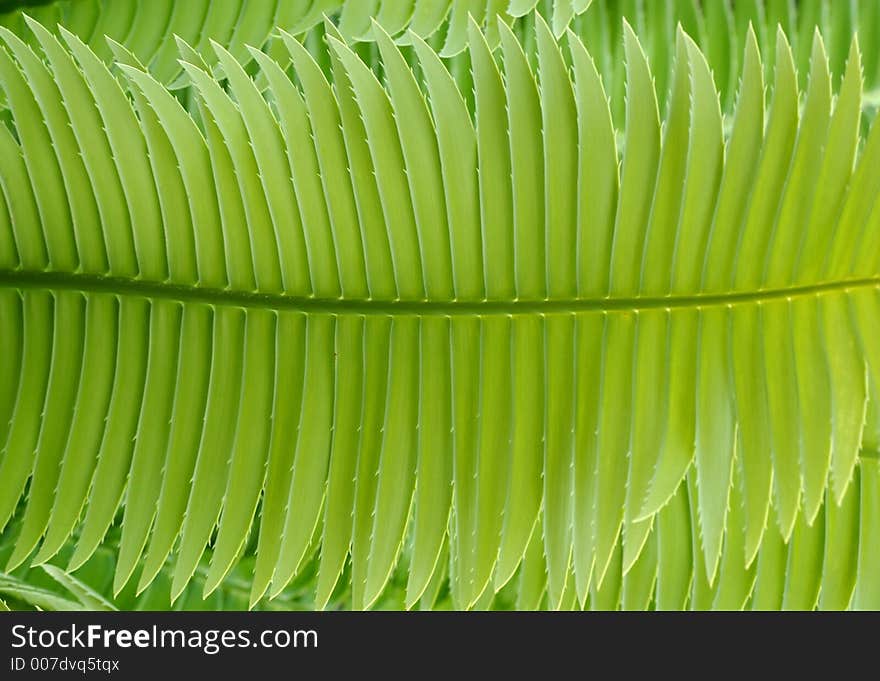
(388, 330)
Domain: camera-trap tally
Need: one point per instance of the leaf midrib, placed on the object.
(123, 286)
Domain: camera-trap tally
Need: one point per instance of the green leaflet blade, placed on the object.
(560, 164)
(704, 170)
(389, 166)
(307, 487)
(151, 437)
(377, 332)
(784, 413)
(330, 149)
(64, 377)
(118, 443)
(38, 320)
(247, 453)
(804, 569)
(525, 124)
(674, 556)
(716, 433)
(597, 173)
(639, 169)
(78, 462)
(493, 152)
(665, 218)
(290, 340)
(614, 433)
(736, 578)
(867, 593)
(849, 393)
(678, 447)
(640, 580)
(132, 162)
(266, 141)
(738, 177)
(433, 496)
(770, 571)
(423, 172)
(559, 460)
(836, 170)
(804, 173)
(211, 471)
(89, 598)
(493, 464)
(187, 420)
(339, 508)
(397, 460)
(773, 171)
(649, 420)
(814, 389)
(521, 508)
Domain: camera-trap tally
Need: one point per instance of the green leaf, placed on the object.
(43, 599)
(87, 425)
(433, 494)
(379, 330)
(867, 596)
(715, 436)
(306, 490)
(735, 577)
(67, 355)
(525, 124)
(674, 557)
(494, 170)
(639, 168)
(659, 248)
(152, 436)
(639, 580)
(323, 118)
(559, 457)
(523, 502)
(597, 172)
(389, 165)
(396, 470)
(560, 164)
(290, 334)
(90, 599)
(422, 163)
(804, 569)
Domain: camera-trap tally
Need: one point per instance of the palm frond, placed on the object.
(392, 331)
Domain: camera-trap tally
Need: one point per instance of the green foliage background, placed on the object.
(440, 304)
